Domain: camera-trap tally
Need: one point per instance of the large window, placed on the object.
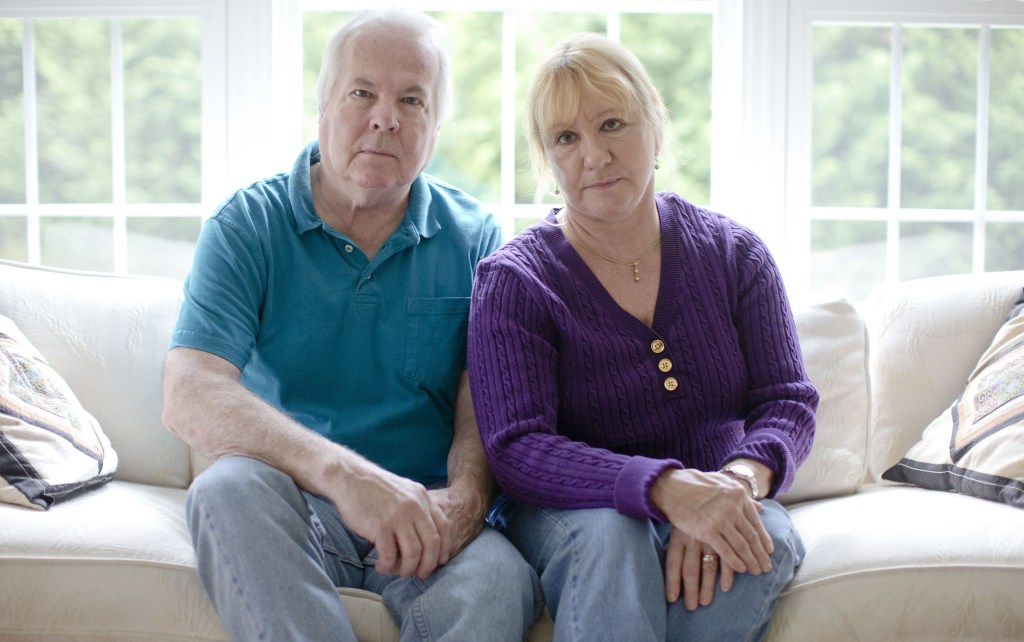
(495, 48)
(907, 141)
(101, 127)
(866, 140)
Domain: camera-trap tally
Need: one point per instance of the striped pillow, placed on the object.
(976, 446)
(51, 448)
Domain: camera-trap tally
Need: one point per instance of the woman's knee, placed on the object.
(789, 547)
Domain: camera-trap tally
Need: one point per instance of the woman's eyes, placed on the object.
(565, 138)
(610, 125)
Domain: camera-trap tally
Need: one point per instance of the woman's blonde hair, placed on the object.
(587, 62)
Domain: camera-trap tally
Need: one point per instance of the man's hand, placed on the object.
(409, 528)
(465, 515)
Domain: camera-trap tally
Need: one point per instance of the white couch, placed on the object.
(884, 562)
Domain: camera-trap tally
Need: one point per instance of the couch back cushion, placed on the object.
(926, 336)
(833, 342)
(107, 336)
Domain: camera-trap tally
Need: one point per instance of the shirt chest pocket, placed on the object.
(435, 335)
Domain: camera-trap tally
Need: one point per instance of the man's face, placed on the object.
(379, 127)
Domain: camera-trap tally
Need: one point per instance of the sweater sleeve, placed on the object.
(780, 423)
(513, 367)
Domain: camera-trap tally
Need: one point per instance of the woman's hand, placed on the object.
(717, 510)
(691, 568)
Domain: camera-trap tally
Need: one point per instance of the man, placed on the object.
(319, 360)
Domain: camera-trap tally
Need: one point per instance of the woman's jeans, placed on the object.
(603, 576)
(271, 556)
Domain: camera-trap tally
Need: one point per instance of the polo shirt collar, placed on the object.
(420, 215)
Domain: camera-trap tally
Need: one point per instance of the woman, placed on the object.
(624, 352)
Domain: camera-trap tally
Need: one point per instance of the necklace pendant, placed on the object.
(636, 272)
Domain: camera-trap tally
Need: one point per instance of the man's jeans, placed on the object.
(603, 576)
(271, 556)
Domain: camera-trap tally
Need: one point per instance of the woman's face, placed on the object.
(603, 161)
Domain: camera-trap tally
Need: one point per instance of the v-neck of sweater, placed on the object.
(669, 277)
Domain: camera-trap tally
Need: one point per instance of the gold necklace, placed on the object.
(635, 264)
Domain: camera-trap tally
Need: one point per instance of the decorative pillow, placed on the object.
(976, 447)
(50, 447)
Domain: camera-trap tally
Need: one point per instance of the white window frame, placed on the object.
(761, 99)
(212, 16)
(796, 117)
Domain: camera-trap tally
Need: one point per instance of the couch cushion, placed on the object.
(833, 342)
(107, 336)
(926, 337)
(51, 448)
(115, 563)
(903, 563)
(976, 446)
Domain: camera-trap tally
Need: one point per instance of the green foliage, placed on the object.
(851, 116)
(73, 103)
(1006, 124)
(163, 107)
(469, 152)
(676, 51)
(1004, 246)
(12, 120)
(940, 80)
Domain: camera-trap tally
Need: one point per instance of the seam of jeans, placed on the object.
(420, 621)
(242, 600)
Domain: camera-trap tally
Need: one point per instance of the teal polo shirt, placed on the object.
(366, 353)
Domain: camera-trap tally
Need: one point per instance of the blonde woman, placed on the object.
(637, 379)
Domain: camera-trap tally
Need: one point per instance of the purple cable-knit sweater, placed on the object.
(581, 405)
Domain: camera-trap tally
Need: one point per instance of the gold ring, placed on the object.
(709, 558)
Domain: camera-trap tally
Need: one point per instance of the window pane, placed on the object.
(536, 34)
(676, 51)
(851, 116)
(78, 243)
(162, 246)
(1006, 126)
(12, 114)
(469, 152)
(73, 89)
(940, 80)
(934, 249)
(847, 257)
(1004, 246)
(162, 86)
(13, 236)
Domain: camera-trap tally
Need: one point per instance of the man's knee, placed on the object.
(237, 482)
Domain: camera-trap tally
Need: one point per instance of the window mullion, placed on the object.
(892, 262)
(34, 250)
(117, 143)
(508, 118)
(981, 147)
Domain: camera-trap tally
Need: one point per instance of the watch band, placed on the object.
(744, 473)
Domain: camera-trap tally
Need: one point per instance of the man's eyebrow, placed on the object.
(416, 88)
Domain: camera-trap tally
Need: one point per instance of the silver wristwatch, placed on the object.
(744, 473)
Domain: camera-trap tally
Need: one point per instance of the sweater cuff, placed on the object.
(633, 486)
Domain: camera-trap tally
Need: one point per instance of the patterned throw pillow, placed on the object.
(50, 447)
(976, 447)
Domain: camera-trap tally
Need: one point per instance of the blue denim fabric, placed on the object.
(602, 575)
(271, 557)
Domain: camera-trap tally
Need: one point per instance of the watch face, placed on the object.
(742, 469)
